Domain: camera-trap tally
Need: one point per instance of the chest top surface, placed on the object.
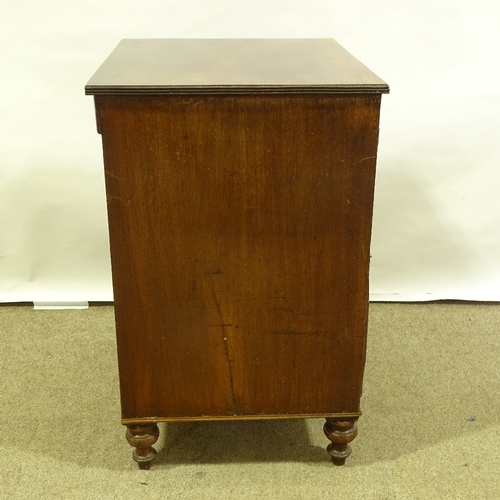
(213, 66)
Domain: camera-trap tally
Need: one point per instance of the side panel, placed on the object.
(240, 231)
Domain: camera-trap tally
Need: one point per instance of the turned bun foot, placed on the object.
(143, 437)
(340, 431)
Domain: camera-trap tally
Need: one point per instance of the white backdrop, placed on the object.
(437, 211)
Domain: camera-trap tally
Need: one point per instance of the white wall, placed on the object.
(437, 213)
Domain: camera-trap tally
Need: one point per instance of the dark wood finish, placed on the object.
(143, 437)
(340, 431)
(240, 251)
(244, 65)
(240, 229)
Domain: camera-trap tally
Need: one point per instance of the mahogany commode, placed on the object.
(239, 181)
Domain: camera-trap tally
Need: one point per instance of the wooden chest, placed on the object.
(239, 179)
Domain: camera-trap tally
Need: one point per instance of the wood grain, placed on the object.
(216, 66)
(240, 232)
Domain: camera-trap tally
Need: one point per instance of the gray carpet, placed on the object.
(430, 429)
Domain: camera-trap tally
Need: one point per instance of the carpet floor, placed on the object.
(430, 426)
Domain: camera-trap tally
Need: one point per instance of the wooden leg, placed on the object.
(340, 431)
(143, 437)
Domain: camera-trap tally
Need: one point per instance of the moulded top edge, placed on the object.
(173, 66)
(227, 90)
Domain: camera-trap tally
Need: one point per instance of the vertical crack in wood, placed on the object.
(224, 340)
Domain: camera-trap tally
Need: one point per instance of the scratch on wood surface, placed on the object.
(218, 271)
(191, 102)
(364, 159)
(300, 332)
(110, 199)
(112, 175)
(217, 178)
